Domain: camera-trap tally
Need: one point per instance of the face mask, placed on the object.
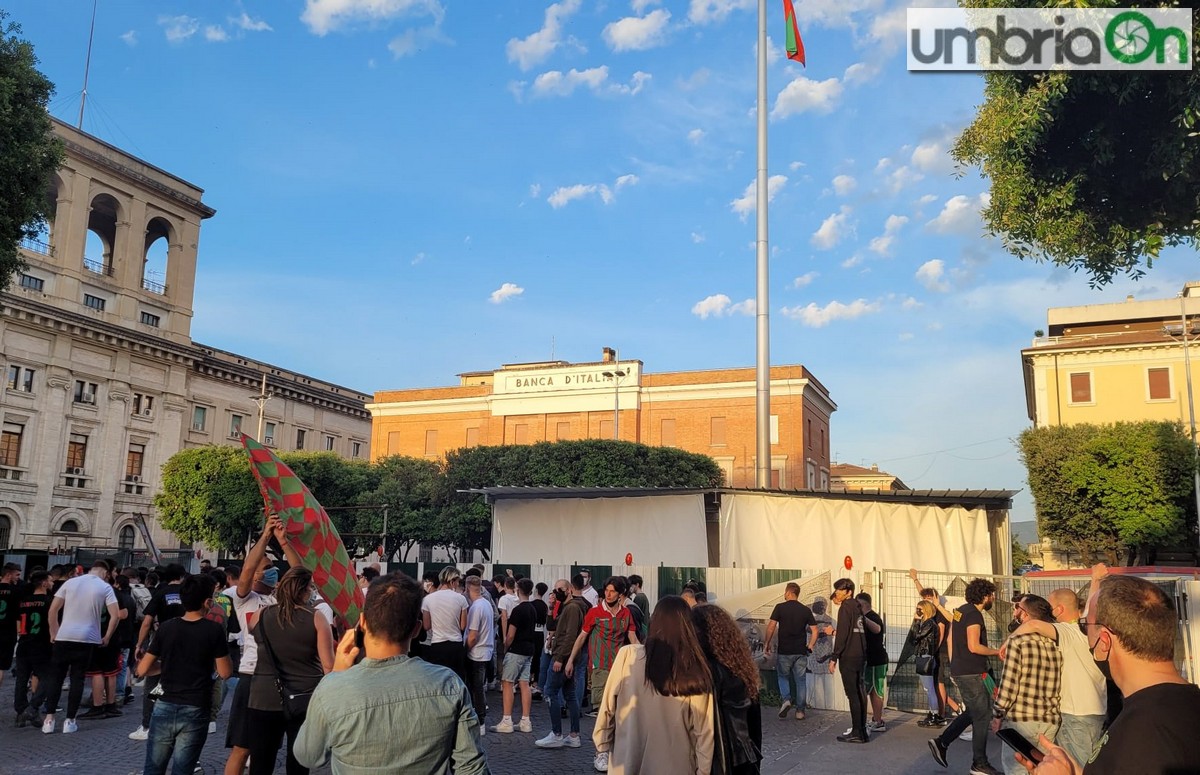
(1013, 625)
(1104, 667)
(560, 595)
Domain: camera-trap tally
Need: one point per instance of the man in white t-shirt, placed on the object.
(82, 601)
(444, 615)
(589, 592)
(1084, 701)
(481, 645)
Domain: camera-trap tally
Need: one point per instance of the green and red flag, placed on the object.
(795, 46)
(309, 530)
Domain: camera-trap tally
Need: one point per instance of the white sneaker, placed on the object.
(141, 733)
(505, 727)
(69, 726)
(550, 741)
(876, 726)
(601, 762)
(571, 741)
(48, 725)
(212, 727)
(525, 726)
(848, 732)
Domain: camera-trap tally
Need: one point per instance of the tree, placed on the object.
(1020, 557)
(1091, 170)
(1108, 489)
(409, 487)
(31, 152)
(208, 495)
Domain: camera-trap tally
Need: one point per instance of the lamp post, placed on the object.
(261, 399)
(615, 375)
(1187, 369)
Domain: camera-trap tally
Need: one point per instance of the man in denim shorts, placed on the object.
(519, 645)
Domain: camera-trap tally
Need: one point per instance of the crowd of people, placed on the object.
(673, 689)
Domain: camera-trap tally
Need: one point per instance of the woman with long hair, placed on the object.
(926, 634)
(735, 690)
(656, 714)
(293, 639)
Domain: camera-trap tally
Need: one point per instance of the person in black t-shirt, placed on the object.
(850, 654)
(165, 604)
(793, 620)
(33, 648)
(10, 578)
(541, 614)
(875, 681)
(519, 646)
(189, 647)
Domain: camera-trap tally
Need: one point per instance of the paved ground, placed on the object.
(790, 747)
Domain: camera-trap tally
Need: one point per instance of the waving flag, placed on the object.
(309, 530)
(795, 46)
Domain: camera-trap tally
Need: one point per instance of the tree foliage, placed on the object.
(31, 153)
(1091, 170)
(208, 495)
(1108, 489)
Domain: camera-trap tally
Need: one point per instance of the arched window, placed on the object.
(158, 245)
(5, 531)
(69, 526)
(126, 537)
(102, 235)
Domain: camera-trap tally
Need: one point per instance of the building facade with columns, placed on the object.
(711, 412)
(103, 382)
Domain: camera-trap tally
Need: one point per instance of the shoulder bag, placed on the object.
(294, 704)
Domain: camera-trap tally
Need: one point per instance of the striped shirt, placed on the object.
(608, 632)
(1032, 685)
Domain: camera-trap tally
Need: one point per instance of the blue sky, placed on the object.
(409, 189)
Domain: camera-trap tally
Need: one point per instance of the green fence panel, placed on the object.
(770, 576)
(409, 569)
(671, 579)
(600, 573)
(519, 570)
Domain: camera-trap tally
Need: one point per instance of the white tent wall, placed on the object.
(782, 532)
(666, 529)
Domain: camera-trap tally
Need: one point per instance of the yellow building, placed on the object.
(852, 478)
(1106, 363)
(711, 412)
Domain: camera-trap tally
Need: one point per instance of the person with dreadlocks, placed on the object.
(295, 645)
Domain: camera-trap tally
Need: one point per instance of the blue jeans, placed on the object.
(792, 670)
(559, 687)
(1078, 734)
(178, 729)
(1030, 731)
(581, 675)
(978, 716)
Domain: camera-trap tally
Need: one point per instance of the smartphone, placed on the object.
(358, 639)
(1016, 741)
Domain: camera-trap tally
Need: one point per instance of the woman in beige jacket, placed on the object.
(656, 715)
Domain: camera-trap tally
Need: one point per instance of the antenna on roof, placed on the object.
(87, 66)
(551, 347)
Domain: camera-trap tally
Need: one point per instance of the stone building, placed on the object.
(103, 382)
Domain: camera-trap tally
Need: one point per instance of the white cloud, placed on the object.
(641, 5)
(852, 262)
(698, 237)
(804, 280)
(831, 231)
(804, 94)
(179, 28)
(894, 179)
(418, 258)
(695, 136)
(795, 165)
(844, 184)
(745, 204)
(721, 306)
(774, 52)
(904, 336)
(559, 84)
(860, 73)
(566, 194)
(248, 24)
(927, 199)
(415, 39)
(889, 28)
(635, 33)
(883, 243)
(535, 48)
(534, 190)
(934, 156)
(130, 38)
(960, 215)
(819, 317)
(709, 11)
(910, 303)
(505, 292)
(931, 274)
(635, 84)
(325, 16)
(215, 34)
(627, 180)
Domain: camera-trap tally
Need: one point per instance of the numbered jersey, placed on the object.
(8, 612)
(32, 625)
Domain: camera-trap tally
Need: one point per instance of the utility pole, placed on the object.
(261, 399)
(1187, 369)
(615, 375)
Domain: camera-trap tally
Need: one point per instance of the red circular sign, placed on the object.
(848, 562)
(628, 559)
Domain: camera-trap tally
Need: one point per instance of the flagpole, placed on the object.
(762, 405)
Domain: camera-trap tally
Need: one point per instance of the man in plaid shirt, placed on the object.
(1028, 700)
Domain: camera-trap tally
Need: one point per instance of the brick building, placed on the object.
(711, 412)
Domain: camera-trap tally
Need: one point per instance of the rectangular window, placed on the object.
(562, 431)
(133, 462)
(10, 444)
(811, 439)
(150, 320)
(20, 379)
(95, 302)
(430, 442)
(269, 433)
(774, 429)
(1081, 388)
(32, 283)
(76, 453)
(666, 432)
(716, 432)
(199, 418)
(824, 445)
(606, 429)
(521, 434)
(143, 404)
(1160, 383)
(329, 444)
(85, 392)
(356, 449)
(472, 437)
(299, 438)
(14, 376)
(812, 476)
(235, 424)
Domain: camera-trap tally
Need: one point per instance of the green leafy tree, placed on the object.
(1105, 490)
(31, 153)
(1095, 171)
(1020, 556)
(208, 495)
(409, 487)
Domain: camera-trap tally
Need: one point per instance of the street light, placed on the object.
(615, 375)
(261, 399)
